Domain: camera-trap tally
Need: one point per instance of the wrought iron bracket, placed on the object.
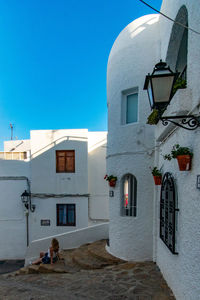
(189, 122)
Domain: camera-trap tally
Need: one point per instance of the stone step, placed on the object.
(98, 250)
(70, 266)
(83, 258)
(89, 257)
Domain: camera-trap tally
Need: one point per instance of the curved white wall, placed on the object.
(130, 146)
(182, 271)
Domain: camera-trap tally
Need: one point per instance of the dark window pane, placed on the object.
(66, 215)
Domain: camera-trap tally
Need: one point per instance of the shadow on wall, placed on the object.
(47, 177)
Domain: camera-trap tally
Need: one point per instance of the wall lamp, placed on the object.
(159, 86)
(26, 200)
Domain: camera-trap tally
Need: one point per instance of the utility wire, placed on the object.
(169, 18)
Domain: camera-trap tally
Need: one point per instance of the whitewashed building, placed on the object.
(137, 231)
(63, 170)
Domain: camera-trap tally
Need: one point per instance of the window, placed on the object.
(178, 43)
(66, 214)
(129, 106)
(65, 161)
(129, 195)
(168, 212)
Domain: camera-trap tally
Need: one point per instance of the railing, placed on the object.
(13, 155)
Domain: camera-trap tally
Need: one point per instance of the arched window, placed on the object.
(129, 195)
(168, 212)
(178, 44)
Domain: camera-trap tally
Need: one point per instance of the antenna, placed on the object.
(11, 127)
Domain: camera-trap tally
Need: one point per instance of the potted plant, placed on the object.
(157, 175)
(111, 179)
(183, 155)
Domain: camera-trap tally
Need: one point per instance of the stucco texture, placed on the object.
(130, 145)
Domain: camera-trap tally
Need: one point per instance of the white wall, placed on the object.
(44, 178)
(182, 271)
(17, 146)
(45, 181)
(13, 233)
(46, 210)
(130, 146)
(98, 188)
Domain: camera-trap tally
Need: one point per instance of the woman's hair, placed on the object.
(55, 244)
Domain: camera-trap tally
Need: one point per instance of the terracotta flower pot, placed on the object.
(157, 180)
(184, 162)
(112, 183)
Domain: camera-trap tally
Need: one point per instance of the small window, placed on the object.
(66, 215)
(131, 108)
(65, 161)
(129, 195)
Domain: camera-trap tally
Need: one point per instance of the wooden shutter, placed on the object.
(60, 161)
(65, 161)
(70, 161)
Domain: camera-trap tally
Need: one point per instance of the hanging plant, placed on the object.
(179, 84)
(183, 155)
(157, 175)
(111, 179)
(153, 118)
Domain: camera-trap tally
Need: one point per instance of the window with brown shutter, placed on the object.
(65, 161)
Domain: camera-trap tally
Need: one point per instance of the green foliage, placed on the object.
(176, 151)
(179, 84)
(156, 172)
(153, 118)
(167, 157)
(110, 178)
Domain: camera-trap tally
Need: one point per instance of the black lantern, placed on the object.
(26, 200)
(159, 85)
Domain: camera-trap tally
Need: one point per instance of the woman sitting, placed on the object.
(51, 256)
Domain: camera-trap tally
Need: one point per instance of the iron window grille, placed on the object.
(168, 212)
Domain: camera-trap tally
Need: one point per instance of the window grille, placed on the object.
(168, 212)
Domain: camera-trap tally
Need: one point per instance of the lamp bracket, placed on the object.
(189, 122)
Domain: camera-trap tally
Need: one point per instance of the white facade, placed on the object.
(130, 145)
(49, 188)
(13, 233)
(133, 148)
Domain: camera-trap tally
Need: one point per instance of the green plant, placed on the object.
(110, 178)
(153, 118)
(167, 157)
(176, 151)
(179, 84)
(156, 172)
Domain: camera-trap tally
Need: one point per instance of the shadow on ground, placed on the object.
(7, 266)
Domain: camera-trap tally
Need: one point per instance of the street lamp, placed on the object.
(159, 86)
(26, 200)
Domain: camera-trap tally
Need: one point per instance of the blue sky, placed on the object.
(53, 60)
